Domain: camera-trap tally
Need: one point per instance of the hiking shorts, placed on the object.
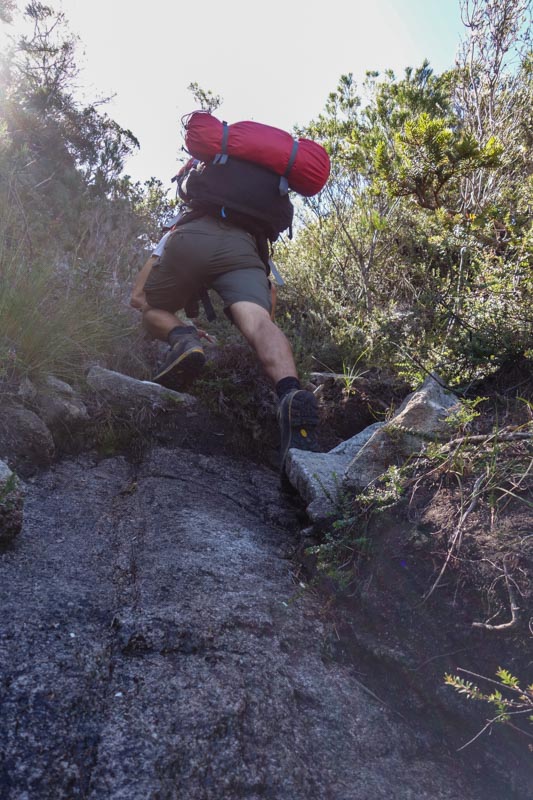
(213, 253)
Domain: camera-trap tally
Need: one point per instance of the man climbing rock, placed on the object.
(236, 189)
(215, 253)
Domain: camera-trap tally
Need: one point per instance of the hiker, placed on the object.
(236, 189)
(138, 297)
(227, 259)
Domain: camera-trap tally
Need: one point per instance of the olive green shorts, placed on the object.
(213, 253)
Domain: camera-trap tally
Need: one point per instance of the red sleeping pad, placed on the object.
(269, 147)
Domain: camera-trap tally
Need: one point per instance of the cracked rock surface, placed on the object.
(154, 645)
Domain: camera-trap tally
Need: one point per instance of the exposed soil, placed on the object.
(351, 404)
(402, 647)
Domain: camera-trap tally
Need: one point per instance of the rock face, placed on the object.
(11, 504)
(123, 392)
(321, 478)
(177, 658)
(44, 419)
(25, 441)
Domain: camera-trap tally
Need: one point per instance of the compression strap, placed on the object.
(283, 181)
(222, 157)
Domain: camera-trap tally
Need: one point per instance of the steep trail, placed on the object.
(155, 644)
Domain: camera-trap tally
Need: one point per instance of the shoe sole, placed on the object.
(298, 430)
(187, 365)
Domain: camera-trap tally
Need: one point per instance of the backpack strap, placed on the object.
(203, 294)
(276, 273)
(222, 157)
(283, 181)
(192, 309)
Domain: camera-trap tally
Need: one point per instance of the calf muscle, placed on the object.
(269, 342)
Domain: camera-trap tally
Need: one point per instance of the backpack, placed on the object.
(241, 192)
(301, 164)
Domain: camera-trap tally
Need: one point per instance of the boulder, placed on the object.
(122, 392)
(420, 418)
(25, 441)
(61, 409)
(318, 477)
(26, 392)
(11, 503)
(322, 478)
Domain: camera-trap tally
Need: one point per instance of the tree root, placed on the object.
(515, 609)
(502, 436)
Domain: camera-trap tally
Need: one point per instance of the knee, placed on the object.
(151, 314)
(251, 319)
(262, 328)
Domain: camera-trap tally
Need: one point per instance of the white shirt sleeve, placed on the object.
(161, 245)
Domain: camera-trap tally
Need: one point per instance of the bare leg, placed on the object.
(297, 410)
(269, 342)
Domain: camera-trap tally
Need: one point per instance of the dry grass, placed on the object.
(47, 326)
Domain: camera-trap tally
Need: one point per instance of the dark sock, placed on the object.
(179, 330)
(287, 385)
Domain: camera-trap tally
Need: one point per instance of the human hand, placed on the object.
(204, 335)
(138, 302)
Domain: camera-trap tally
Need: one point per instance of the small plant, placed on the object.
(52, 326)
(7, 491)
(350, 374)
(386, 493)
(347, 541)
(509, 699)
(464, 414)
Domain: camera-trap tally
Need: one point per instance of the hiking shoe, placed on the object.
(298, 420)
(183, 363)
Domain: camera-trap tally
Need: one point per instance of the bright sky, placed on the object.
(274, 62)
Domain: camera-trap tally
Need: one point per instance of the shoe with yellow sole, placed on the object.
(184, 362)
(298, 421)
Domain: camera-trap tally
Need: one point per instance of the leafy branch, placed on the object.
(509, 699)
